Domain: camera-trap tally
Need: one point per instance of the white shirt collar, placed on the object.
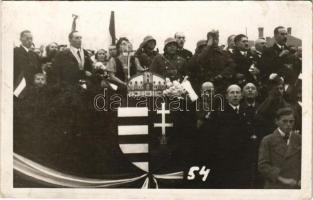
(234, 107)
(81, 59)
(26, 49)
(251, 104)
(283, 134)
(300, 103)
(280, 46)
(243, 53)
(75, 49)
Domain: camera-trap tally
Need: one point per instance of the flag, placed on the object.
(112, 28)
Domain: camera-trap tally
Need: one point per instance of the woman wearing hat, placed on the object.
(146, 52)
(125, 64)
(169, 64)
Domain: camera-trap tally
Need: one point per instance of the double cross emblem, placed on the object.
(163, 125)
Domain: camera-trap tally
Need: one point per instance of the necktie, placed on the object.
(80, 61)
(237, 110)
(286, 137)
(78, 53)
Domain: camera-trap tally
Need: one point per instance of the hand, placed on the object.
(253, 137)
(240, 76)
(199, 123)
(292, 182)
(210, 41)
(288, 181)
(254, 70)
(99, 65)
(218, 77)
(88, 73)
(289, 66)
(284, 52)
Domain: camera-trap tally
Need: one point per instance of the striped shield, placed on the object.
(143, 136)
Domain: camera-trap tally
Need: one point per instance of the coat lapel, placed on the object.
(69, 52)
(279, 143)
(23, 50)
(293, 146)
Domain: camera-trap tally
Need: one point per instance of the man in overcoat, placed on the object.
(280, 154)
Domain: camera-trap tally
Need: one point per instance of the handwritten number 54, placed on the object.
(202, 172)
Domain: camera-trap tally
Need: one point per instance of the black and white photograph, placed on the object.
(167, 99)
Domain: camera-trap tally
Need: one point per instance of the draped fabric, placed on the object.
(41, 173)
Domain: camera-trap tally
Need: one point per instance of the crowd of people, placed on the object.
(253, 142)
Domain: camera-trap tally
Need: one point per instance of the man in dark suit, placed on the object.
(276, 59)
(26, 62)
(72, 64)
(230, 138)
(244, 59)
(181, 51)
(72, 73)
(280, 154)
(249, 107)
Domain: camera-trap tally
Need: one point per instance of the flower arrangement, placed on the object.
(179, 89)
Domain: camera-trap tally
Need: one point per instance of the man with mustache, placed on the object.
(245, 62)
(275, 58)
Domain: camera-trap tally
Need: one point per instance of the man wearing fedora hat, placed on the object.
(169, 65)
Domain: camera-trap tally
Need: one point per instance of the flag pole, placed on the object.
(112, 27)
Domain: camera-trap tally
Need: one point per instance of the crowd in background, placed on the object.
(245, 142)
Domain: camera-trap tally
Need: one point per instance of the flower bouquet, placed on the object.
(179, 89)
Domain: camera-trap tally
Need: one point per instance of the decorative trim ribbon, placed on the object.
(47, 175)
